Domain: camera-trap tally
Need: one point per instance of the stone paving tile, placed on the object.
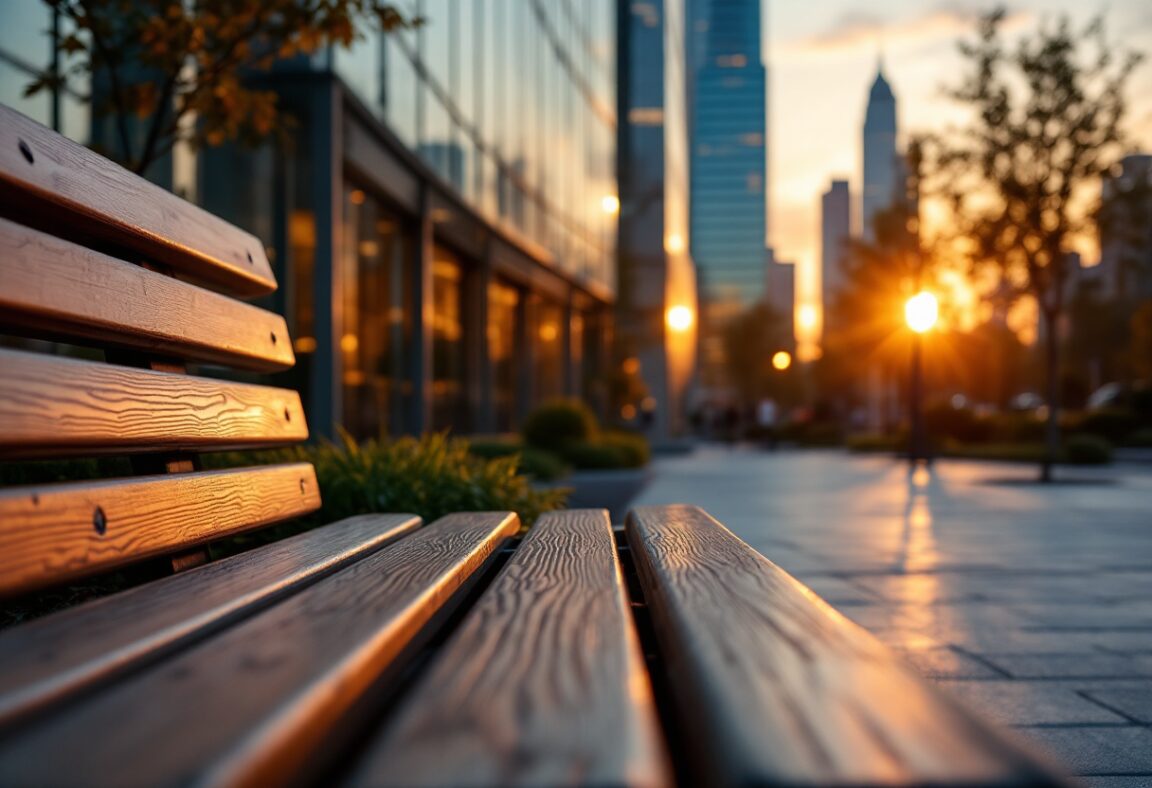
(1049, 666)
(1097, 750)
(1135, 703)
(1030, 703)
(948, 663)
(1143, 781)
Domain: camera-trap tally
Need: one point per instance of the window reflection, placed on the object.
(503, 327)
(448, 409)
(376, 282)
(549, 340)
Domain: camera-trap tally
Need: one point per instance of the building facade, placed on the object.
(882, 176)
(780, 289)
(729, 168)
(657, 301)
(835, 233)
(1125, 269)
(436, 224)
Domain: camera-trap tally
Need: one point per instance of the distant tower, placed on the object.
(882, 166)
(835, 230)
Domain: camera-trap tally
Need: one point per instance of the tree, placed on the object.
(180, 68)
(1046, 125)
(750, 340)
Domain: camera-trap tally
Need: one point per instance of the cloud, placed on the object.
(861, 29)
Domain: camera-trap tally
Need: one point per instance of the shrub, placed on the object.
(558, 423)
(1140, 439)
(1013, 428)
(633, 447)
(587, 455)
(543, 466)
(1113, 424)
(1088, 450)
(875, 442)
(431, 476)
(493, 448)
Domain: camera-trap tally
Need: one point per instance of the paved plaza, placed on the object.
(1033, 604)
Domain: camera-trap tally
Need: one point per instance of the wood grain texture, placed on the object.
(544, 684)
(252, 705)
(82, 195)
(55, 532)
(54, 286)
(774, 687)
(48, 659)
(50, 405)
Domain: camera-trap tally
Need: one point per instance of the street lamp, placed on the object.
(920, 313)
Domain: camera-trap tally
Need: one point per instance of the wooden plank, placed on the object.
(65, 188)
(544, 683)
(51, 405)
(48, 659)
(256, 704)
(54, 286)
(774, 687)
(55, 532)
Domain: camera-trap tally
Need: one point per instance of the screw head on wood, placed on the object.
(99, 521)
(27, 152)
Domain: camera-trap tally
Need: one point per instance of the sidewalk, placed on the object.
(1033, 604)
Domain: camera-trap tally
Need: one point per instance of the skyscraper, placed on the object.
(882, 166)
(656, 306)
(728, 226)
(835, 230)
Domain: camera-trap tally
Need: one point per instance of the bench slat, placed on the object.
(777, 688)
(44, 661)
(543, 685)
(52, 406)
(54, 286)
(252, 705)
(57, 532)
(80, 194)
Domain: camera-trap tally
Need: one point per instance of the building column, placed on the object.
(423, 311)
(527, 309)
(570, 377)
(479, 372)
(325, 141)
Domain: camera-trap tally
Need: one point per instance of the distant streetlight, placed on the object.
(920, 313)
(610, 204)
(781, 360)
(679, 318)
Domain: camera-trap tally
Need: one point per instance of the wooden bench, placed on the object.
(373, 651)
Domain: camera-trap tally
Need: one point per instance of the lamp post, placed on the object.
(920, 313)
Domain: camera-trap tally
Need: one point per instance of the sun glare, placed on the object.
(921, 312)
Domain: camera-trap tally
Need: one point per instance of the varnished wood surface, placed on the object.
(77, 193)
(543, 685)
(55, 532)
(251, 705)
(774, 687)
(50, 405)
(55, 286)
(46, 660)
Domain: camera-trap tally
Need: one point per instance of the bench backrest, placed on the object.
(93, 255)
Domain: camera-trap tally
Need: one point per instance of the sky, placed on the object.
(822, 58)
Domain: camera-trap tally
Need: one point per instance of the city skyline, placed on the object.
(822, 61)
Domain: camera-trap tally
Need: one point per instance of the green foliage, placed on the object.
(633, 447)
(1088, 450)
(942, 421)
(589, 456)
(1112, 424)
(170, 62)
(431, 476)
(558, 423)
(1140, 439)
(493, 448)
(542, 466)
(875, 442)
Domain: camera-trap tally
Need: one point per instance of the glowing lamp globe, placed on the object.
(921, 312)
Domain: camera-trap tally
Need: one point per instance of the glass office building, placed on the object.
(728, 167)
(437, 222)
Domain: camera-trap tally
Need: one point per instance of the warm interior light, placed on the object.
(674, 243)
(549, 332)
(679, 317)
(921, 311)
(781, 360)
(631, 365)
(610, 204)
